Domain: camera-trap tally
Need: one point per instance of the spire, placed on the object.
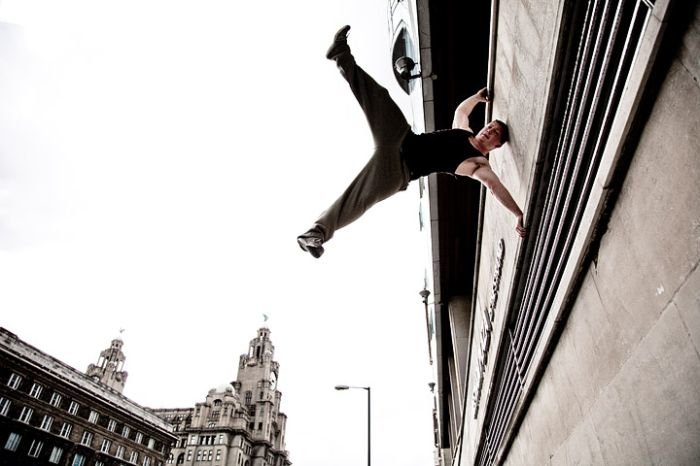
(109, 368)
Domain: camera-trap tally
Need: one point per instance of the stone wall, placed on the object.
(622, 384)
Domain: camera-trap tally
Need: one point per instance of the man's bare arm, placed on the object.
(461, 118)
(489, 179)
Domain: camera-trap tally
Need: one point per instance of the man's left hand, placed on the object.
(520, 228)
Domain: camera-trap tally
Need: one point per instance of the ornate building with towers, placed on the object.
(109, 369)
(53, 414)
(238, 424)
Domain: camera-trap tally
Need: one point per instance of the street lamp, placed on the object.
(369, 417)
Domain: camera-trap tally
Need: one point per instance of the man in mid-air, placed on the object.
(401, 156)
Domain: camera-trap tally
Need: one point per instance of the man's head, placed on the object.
(493, 135)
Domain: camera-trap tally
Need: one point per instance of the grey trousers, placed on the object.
(385, 173)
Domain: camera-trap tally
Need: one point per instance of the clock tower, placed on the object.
(239, 423)
(256, 385)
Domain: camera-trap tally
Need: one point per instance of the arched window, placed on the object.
(217, 403)
(181, 458)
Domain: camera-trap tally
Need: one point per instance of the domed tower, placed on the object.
(257, 387)
(109, 368)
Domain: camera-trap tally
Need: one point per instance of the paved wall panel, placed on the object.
(621, 386)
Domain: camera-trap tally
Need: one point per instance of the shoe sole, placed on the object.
(315, 252)
(340, 44)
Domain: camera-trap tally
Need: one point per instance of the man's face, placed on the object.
(490, 135)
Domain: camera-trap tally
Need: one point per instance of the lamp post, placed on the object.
(369, 417)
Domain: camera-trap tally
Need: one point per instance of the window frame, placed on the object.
(14, 381)
(13, 441)
(56, 399)
(86, 438)
(56, 455)
(26, 415)
(66, 430)
(73, 407)
(46, 423)
(106, 445)
(112, 425)
(78, 460)
(35, 391)
(5, 404)
(35, 448)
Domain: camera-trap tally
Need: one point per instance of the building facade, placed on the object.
(52, 414)
(580, 343)
(238, 424)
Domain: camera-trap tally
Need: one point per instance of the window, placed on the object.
(86, 439)
(221, 439)
(26, 414)
(218, 455)
(14, 381)
(78, 460)
(73, 408)
(105, 446)
(120, 452)
(134, 456)
(209, 455)
(35, 448)
(199, 455)
(94, 416)
(35, 392)
(151, 443)
(248, 397)
(125, 431)
(99, 463)
(46, 423)
(189, 455)
(139, 437)
(55, 400)
(193, 440)
(65, 430)
(13, 441)
(4, 406)
(147, 461)
(112, 425)
(56, 454)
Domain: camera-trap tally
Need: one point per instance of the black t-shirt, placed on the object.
(439, 151)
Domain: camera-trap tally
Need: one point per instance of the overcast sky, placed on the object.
(158, 160)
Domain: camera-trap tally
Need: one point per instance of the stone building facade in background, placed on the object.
(52, 414)
(238, 424)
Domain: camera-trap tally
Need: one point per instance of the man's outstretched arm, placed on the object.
(489, 179)
(461, 118)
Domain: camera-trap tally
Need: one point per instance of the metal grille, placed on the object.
(598, 55)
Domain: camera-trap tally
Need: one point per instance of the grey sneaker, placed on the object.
(311, 244)
(340, 43)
